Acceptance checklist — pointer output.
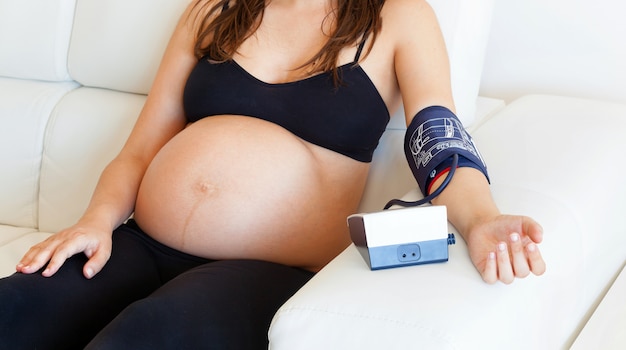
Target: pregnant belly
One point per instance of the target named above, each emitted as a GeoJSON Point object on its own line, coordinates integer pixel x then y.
{"type": "Point", "coordinates": [240, 187]}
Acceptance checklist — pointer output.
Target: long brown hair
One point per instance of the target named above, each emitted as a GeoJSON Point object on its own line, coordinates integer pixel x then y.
{"type": "Point", "coordinates": [230, 22]}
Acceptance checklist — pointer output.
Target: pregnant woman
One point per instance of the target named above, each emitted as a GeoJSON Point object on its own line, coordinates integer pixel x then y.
{"type": "Point", "coordinates": [251, 150]}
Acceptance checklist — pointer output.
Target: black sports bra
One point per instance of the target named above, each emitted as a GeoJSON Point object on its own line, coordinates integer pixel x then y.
{"type": "Point", "coordinates": [349, 118]}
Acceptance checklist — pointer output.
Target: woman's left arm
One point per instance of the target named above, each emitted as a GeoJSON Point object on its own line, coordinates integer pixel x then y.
{"type": "Point", "coordinates": [502, 247]}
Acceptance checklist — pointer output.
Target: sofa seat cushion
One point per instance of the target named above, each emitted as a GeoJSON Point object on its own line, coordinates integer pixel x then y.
{"type": "Point", "coordinates": [544, 163]}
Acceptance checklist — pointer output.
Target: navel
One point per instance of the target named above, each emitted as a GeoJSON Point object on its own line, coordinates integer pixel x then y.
{"type": "Point", "coordinates": [207, 188]}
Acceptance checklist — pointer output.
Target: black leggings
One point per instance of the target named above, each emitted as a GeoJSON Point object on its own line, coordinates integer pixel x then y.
{"type": "Point", "coordinates": [148, 296]}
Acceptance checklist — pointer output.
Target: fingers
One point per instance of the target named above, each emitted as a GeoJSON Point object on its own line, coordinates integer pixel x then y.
{"type": "Point", "coordinates": [521, 267]}
{"type": "Point", "coordinates": [97, 260]}
{"type": "Point", "coordinates": [514, 260]}
{"type": "Point", "coordinates": [505, 269]}
{"type": "Point", "coordinates": [532, 229]}
{"type": "Point", "coordinates": [537, 264]}
{"type": "Point", "coordinates": [58, 248]}
{"type": "Point", "coordinates": [490, 274]}
{"type": "Point", "coordinates": [36, 257]}
{"type": "Point", "coordinates": [52, 251]}
{"type": "Point", "coordinates": [62, 253]}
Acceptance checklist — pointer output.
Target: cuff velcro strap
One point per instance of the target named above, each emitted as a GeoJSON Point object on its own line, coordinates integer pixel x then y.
{"type": "Point", "coordinates": [434, 135]}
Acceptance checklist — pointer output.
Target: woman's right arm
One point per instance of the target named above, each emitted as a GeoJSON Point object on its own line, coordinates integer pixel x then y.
{"type": "Point", "coordinates": [114, 197]}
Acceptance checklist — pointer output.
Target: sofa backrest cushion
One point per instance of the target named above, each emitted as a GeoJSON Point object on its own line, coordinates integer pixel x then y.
{"type": "Point", "coordinates": [34, 38]}
{"type": "Point", "coordinates": [86, 130]}
{"type": "Point", "coordinates": [25, 107]}
{"type": "Point", "coordinates": [465, 26]}
{"type": "Point", "coordinates": [34, 41]}
{"type": "Point", "coordinates": [118, 44]}
{"type": "Point", "coordinates": [557, 47]}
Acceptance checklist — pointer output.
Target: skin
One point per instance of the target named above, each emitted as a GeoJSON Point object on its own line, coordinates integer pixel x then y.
{"type": "Point", "coordinates": [189, 196]}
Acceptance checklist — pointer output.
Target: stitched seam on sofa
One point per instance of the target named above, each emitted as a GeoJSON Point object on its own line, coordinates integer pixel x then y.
{"type": "Point", "coordinates": [405, 324]}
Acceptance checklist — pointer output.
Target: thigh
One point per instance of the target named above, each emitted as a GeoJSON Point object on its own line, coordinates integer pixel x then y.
{"type": "Point", "coordinates": [66, 310]}
{"type": "Point", "coordinates": [220, 305]}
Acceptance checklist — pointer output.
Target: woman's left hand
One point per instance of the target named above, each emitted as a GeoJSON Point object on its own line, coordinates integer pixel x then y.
{"type": "Point", "coordinates": [505, 247]}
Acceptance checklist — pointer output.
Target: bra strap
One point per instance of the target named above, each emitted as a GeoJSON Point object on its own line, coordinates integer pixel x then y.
{"type": "Point", "coordinates": [359, 50]}
{"type": "Point", "coordinates": [361, 44]}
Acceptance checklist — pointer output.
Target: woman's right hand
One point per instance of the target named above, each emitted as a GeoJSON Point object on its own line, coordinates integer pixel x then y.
{"type": "Point", "coordinates": [94, 242]}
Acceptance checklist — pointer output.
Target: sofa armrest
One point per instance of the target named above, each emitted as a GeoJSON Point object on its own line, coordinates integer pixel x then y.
{"type": "Point", "coordinates": [543, 160]}
{"type": "Point", "coordinates": [443, 306]}
{"type": "Point", "coordinates": [605, 329]}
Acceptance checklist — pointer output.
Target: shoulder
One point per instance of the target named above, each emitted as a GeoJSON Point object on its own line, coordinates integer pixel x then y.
{"type": "Point", "coordinates": [197, 11]}
{"type": "Point", "coordinates": [407, 4]}
{"type": "Point", "coordinates": [404, 17]}
{"type": "Point", "coordinates": [411, 24]}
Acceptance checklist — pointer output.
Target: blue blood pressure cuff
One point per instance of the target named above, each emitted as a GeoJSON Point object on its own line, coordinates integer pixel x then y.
{"type": "Point", "coordinates": [432, 138]}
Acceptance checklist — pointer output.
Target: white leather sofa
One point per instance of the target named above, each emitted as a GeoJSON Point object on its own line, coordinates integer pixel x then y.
{"type": "Point", "coordinates": [541, 86]}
